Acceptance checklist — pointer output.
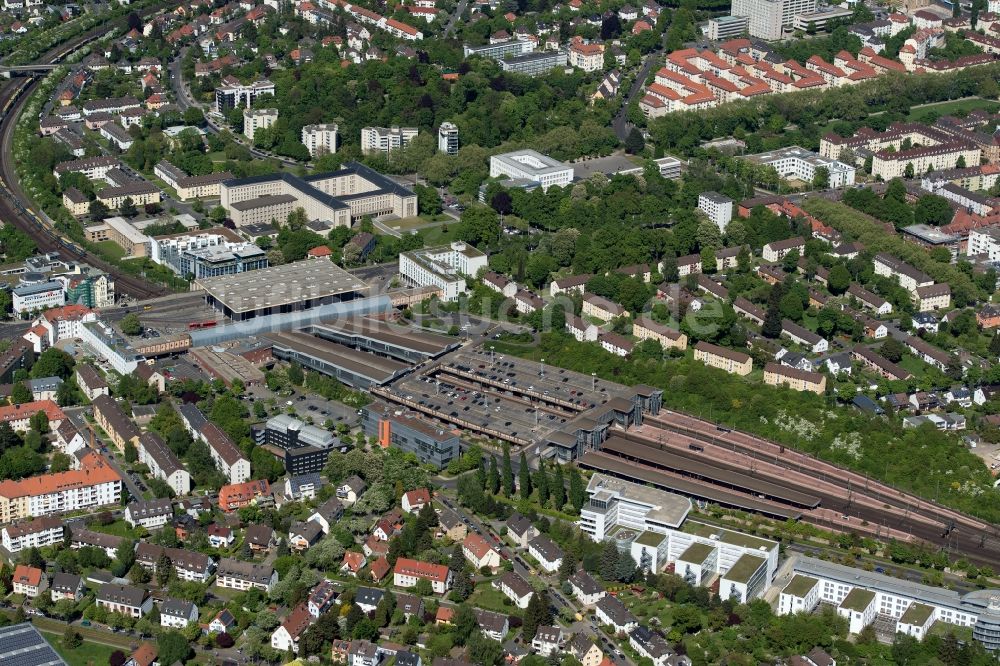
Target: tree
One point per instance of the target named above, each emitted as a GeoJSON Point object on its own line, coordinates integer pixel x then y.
{"type": "Point", "coordinates": [932, 209]}
{"type": "Point", "coordinates": [608, 565]}
{"type": "Point", "coordinates": [892, 349]}
{"type": "Point", "coordinates": [542, 483]}
{"type": "Point", "coordinates": [537, 614]}
{"type": "Point", "coordinates": [20, 394]}
{"type": "Point", "coordinates": [524, 477]}
{"type": "Point", "coordinates": [423, 588]}
{"type": "Point", "coordinates": [558, 488]}
{"type": "Point", "coordinates": [128, 208]}
{"type": "Point", "coordinates": [821, 178]}
{"type": "Point", "coordinates": [173, 647]}
{"type": "Point", "coordinates": [790, 261]}
{"type": "Point", "coordinates": [791, 307]}
{"type": "Point", "coordinates": [839, 280]}
{"type": "Point", "coordinates": [908, 171]}
{"type": "Point", "coordinates": [995, 345]}
{"type": "Point", "coordinates": [577, 490]}
{"type": "Point", "coordinates": [479, 226]}
{"type": "Point", "coordinates": [634, 143]}
{"type": "Point", "coordinates": [295, 374]}
{"type": "Point", "coordinates": [507, 474]}
{"type": "Point", "coordinates": [131, 453]}
{"type": "Point", "coordinates": [493, 477]}
{"type": "Point", "coordinates": [98, 210]}
{"type": "Point", "coordinates": [130, 324]}
{"type": "Point", "coordinates": [71, 637]}
{"type": "Point", "coordinates": [53, 362]}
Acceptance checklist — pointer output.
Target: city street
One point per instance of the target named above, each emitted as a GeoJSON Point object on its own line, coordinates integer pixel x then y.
{"type": "Point", "coordinates": [77, 418]}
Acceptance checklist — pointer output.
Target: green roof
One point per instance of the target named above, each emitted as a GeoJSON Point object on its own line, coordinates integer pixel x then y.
{"type": "Point", "coordinates": [651, 539]}
{"type": "Point", "coordinates": [697, 552]}
{"type": "Point", "coordinates": [727, 536]}
{"type": "Point", "coordinates": [857, 600]}
{"type": "Point", "coordinates": [744, 568]}
{"type": "Point", "coordinates": [800, 585]}
{"type": "Point", "coordinates": [916, 614]}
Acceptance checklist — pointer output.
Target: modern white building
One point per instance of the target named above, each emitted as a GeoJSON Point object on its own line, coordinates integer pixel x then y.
{"type": "Point", "coordinates": [39, 296]}
{"type": "Point", "coordinates": [443, 267]}
{"type": "Point", "coordinates": [717, 207]}
{"type": "Point", "coordinates": [861, 596]}
{"type": "Point", "coordinates": [258, 119]}
{"type": "Point", "coordinates": [448, 138]}
{"type": "Point", "coordinates": [985, 241]}
{"type": "Point", "coordinates": [798, 163]}
{"type": "Point", "coordinates": [532, 166]}
{"type": "Point", "coordinates": [109, 346]}
{"type": "Point", "coordinates": [721, 28]}
{"type": "Point", "coordinates": [386, 139]}
{"type": "Point", "coordinates": [768, 17]}
{"type": "Point", "coordinates": [652, 526]}
{"type": "Point", "coordinates": [320, 139]}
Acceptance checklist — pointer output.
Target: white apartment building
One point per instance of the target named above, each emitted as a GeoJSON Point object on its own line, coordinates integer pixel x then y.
{"type": "Point", "coordinates": [531, 165]}
{"type": "Point", "coordinates": [177, 613]}
{"type": "Point", "coordinates": [37, 533]}
{"type": "Point", "coordinates": [257, 119]}
{"type": "Point", "coordinates": [891, 165]}
{"type": "Point", "coordinates": [719, 208]}
{"type": "Point", "coordinates": [985, 241]}
{"type": "Point", "coordinates": [448, 138]}
{"type": "Point", "coordinates": [163, 463]}
{"type": "Point", "coordinates": [798, 163]}
{"type": "Point", "coordinates": [228, 457]}
{"type": "Point", "coordinates": [386, 139]}
{"type": "Point", "coordinates": [320, 139]}
{"type": "Point", "coordinates": [443, 267]}
{"type": "Point", "coordinates": [861, 595]}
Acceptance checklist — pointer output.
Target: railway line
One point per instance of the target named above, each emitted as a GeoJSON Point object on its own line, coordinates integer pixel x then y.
{"type": "Point", "coordinates": [839, 489]}
{"type": "Point", "coordinates": [15, 205]}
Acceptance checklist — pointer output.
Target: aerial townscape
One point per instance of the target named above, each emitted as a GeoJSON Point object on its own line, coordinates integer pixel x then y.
{"type": "Point", "coordinates": [494, 333]}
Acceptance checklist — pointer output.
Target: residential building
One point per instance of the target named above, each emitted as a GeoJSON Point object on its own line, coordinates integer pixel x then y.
{"type": "Point", "coordinates": [286, 637]}
{"type": "Point", "coordinates": [94, 485]}
{"type": "Point", "coordinates": [90, 381]}
{"type": "Point", "coordinates": [611, 612]}
{"type": "Point", "coordinates": [547, 641]}
{"type": "Point", "coordinates": [717, 207]}
{"type": "Point", "coordinates": [238, 575]}
{"type": "Point", "coordinates": [644, 328]}
{"type": "Point", "coordinates": [66, 586]}
{"type": "Point", "coordinates": [588, 57]}
{"type": "Point", "coordinates": [533, 64]}
{"type": "Point", "coordinates": [238, 495]}
{"type": "Point", "coordinates": [320, 139]}
{"type": "Point", "coordinates": [188, 565]}
{"type": "Point", "coordinates": [777, 250]}
{"type": "Point", "coordinates": [163, 463]}
{"type": "Point", "coordinates": [386, 139]}
{"type": "Point", "coordinates": [37, 533]}
{"type": "Point", "coordinates": [448, 138]}
{"type": "Point", "coordinates": [728, 360]}
{"type": "Point", "coordinates": [258, 119]}
{"type": "Point", "coordinates": [586, 590]}
{"type": "Point", "coordinates": [29, 581]}
{"type": "Point", "coordinates": [126, 600]}
{"type": "Point", "coordinates": [601, 308]}
{"type": "Point", "coordinates": [480, 553]}
{"type": "Point", "coordinates": [795, 163]}
{"type": "Point", "coordinates": [548, 554]}
{"type": "Point", "coordinates": [407, 572]}
{"type": "Point", "coordinates": [177, 613]}
{"type": "Point", "coordinates": [415, 500]}
{"type": "Point", "coordinates": [514, 588]}
{"type": "Point", "coordinates": [149, 514]}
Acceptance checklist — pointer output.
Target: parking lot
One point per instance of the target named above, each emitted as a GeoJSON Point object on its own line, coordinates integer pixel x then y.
{"type": "Point", "coordinates": [307, 405]}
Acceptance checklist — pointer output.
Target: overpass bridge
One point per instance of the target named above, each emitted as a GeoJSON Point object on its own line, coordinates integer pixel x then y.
{"type": "Point", "coordinates": [8, 71]}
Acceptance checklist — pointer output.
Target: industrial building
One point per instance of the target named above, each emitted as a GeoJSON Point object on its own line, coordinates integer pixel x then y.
{"type": "Point", "coordinates": [355, 368]}
{"type": "Point", "coordinates": [339, 197]}
{"type": "Point", "coordinates": [280, 289]}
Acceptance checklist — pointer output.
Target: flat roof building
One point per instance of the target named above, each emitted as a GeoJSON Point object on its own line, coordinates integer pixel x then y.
{"type": "Point", "coordinates": [444, 267]}
{"type": "Point", "coordinates": [798, 163]}
{"type": "Point", "coordinates": [531, 165]}
{"type": "Point", "coordinates": [431, 443]}
{"type": "Point", "coordinates": [280, 289]}
{"type": "Point", "coordinates": [354, 368]}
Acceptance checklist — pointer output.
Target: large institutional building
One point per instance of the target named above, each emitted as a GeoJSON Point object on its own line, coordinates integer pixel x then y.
{"type": "Point", "coordinates": [339, 197]}
{"type": "Point", "coordinates": [532, 166]}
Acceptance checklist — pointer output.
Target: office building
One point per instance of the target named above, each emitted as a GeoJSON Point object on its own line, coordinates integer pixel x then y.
{"type": "Point", "coordinates": [320, 139]}
{"type": "Point", "coordinates": [514, 47]}
{"type": "Point", "coordinates": [443, 267]}
{"type": "Point", "coordinates": [38, 296]}
{"type": "Point", "coordinates": [431, 443]}
{"type": "Point", "coordinates": [257, 119]}
{"type": "Point", "coordinates": [339, 197]}
{"type": "Point", "coordinates": [448, 138]}
{"type": "Point", "coordinates": [207, 253]}
{"type": "Point", "coordinates": [767, 18]}
{"type": "Point", "coordinates": [386, 139]}
{"type": "Point", "coordinates": [722, 28]}
{"type": "Point", "coordinates": [535, 63]}
{"type": "Point", "coordinates": [302, 448]}
{"type": "Point", "coordinates": [532, 166]}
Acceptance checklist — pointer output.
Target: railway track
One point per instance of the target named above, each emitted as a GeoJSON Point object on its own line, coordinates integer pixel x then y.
{"type": "Point", "coordinates": [848, 492]}
{"type": "Point", "coordinates": [17, 208]}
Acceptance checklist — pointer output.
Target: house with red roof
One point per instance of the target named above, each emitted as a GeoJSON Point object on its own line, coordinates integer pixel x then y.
{"type": "Point", "coordinates": [408, 572]}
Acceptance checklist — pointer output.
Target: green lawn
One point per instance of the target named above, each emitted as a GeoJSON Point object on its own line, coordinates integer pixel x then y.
{"type": "Point", "coordinates": [117, 528]}
{"type": "Point", "coordinates": [488, 597]}
{"type": "Point", "coordinates": [110, 249]}
{"type": "Point", "coordinates": [957, 106]}
{"type": "Point", "coordinates": [440, 235]}
{"type": "Point", "coordinates": [88, 654]}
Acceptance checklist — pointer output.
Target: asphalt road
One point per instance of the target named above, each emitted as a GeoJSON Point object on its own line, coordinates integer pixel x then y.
{"type": "Point", "coordinates": [76, 416]}
{"type": "Point", "coordinates": [620, 124]}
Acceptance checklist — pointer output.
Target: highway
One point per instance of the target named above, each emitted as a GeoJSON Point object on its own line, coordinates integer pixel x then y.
{"type": "Point", "coordinates": [18, 209]}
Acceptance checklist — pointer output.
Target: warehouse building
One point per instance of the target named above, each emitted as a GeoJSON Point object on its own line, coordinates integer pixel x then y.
{"type": "Point", "coordinates": [280, 289]}
{"type": "Point", "coordinates": [354, 368]}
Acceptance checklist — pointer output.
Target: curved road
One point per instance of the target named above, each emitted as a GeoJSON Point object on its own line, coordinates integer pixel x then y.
{"type": "Point", "coordinates": [46, 238]}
